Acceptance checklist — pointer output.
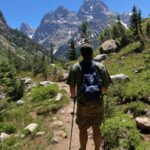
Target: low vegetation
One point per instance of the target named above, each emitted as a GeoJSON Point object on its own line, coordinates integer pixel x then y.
{"type": "Point", "coordinates": [120, 132]}
{"type": "Point", "coordinates": [125, 100]}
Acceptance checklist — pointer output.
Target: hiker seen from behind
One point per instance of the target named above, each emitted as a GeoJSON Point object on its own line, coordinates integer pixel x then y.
{"type": "Point", "coordinates": [88, 81]}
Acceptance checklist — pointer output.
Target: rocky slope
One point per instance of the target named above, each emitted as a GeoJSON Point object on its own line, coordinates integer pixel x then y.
{"type": "Point", "coordinates": [2, 20]}
{"type": "Point", "coordinates": [59, 26]}
{"type": "Point", "coordinates": [97, 14]}
{"type": "Point", "coordinates": [16, 46]}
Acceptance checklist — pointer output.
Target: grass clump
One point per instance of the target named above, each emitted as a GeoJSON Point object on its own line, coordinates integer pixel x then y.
{"type": "Point", "coordinates": [120, 131]}
{"type": "Point", "coordinates": [143, 146]}
{"type": "Point", "coordinates": [7, 128]}
{"type": "Point", "coordinates": [131, 48]}
{"type": "Point", "coordinates": [10, 144]}
{"type": "Point", "coordinates": [136, 108]}
{"type": "Point", "coordinates": [43, 99]}
{"type": "Point", "coordinates": [44, 93]}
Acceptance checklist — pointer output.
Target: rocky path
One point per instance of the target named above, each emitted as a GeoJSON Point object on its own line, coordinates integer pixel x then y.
{"type": "Point", "coordinates": [65, 116]}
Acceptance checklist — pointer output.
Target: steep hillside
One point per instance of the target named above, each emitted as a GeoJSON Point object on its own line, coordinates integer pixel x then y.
{"type": "Point", "coordinates": [17, 47]}
{"type": "Point", "coordinates": [127, 102]}
{"type": "Point", "coordinates": [2, 20]}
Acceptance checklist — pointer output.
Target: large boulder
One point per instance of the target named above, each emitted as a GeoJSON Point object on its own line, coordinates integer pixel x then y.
{"type": "Point", "coordinates": [109, 46]}
{"type": "Point", "coordinates": [100, 58]}
{"type": "Point", "coordinates": [31, 127]}
{"type": "Point", "coordinates": [41, 133]}
{"type": "Point", "coordinates": [148, 113]}
{"type": "Point", "coordinates": [45, 83]}
{"type": "Point", "coordinates": [27, 80]}
{"type": "Point", "coordinates": [120, 77]}
{"type": "Point", "coordinates": [30, 86]}
{"type": "Point", "coordinates": [61, 134]}
{"type": "Point", "coordinates": [143, 122]}
{"type": "Point", "coordinates": [64, 77]}
{"type": "Point", "coordinates": [4, 136]}
{"type": "Point", "coordinates": [55, 140]}
{"type": "Point", "coordinates": [56, 124]}
{"type": "Point", "coordinates": [20, 102]}
{"type": "Point", "coordinates": [2, 96]}
{"type": "Point", "coordinates": [58, 97]}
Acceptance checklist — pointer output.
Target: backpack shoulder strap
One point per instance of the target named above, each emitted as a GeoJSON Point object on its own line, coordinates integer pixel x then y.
{"type": "Point", "coordinates": [95, 68]}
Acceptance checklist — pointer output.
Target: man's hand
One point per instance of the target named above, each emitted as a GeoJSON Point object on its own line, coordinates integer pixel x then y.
{"type": "Point", "coordinates": [73, 98]}
{"type": "Point", "coordinates": [104, 90]}
{"type": "Point", "coordinates": [73, 92]}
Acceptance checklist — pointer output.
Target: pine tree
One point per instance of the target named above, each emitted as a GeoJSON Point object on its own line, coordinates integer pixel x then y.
{"type": "Point", "coordinates": [72, 51]}
{"type": "Point", "coordinates": [148, 29]}
{"type": "Point", "coordinates": [105, 34]}
{"type": "Point", "coordinates": [140, 22]}
{"type": "Point", "coordinates": [16, 89]}
{"type": "Point", "coordinates": [114, 32]}
{"type": "Point", "coordinates": [118, 18]}
{"type": "Point", "coordinates": [121, 28]}
{"type": "Point", "coordinates": [44, 66]}
{"type": "Point", "coordinates": [51, 53]}
{"type": "Point", "coordinates": [134, 21]}
{"type": "Point", "coordinates": [36, 65]}
{"type": "Point", "coordinates": [85, 32]}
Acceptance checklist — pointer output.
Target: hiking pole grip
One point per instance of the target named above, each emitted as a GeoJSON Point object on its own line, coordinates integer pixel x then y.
{"type": "Point", "coordinates": [74, 102]}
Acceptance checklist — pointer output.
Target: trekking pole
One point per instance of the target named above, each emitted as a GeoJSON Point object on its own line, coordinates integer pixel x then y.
{"type": "Point", "coordinates": [72, 123]}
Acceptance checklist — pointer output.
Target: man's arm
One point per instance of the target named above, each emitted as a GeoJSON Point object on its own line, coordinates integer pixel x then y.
{"type": "Point", "coordinates": [73, 91]}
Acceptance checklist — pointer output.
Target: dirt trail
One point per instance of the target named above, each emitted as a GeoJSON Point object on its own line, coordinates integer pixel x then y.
{"type": "Point", "coordinates": [65, 116]}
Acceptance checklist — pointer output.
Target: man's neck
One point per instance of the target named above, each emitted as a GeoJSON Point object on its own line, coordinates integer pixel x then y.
{"type": "Point", "coordinates": [87, 59]}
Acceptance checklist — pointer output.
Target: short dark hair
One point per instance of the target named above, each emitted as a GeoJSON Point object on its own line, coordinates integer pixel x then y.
{"type": "Point", "coordinates": [86, 51]}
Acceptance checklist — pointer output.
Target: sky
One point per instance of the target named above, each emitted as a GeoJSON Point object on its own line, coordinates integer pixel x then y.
{"type": "Point", "coordinates": [32, 11]}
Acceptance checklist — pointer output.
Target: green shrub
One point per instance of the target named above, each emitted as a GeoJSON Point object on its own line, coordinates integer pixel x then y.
{"type": "Point", "coordinates": [121, 131]}
{"type": "Point", "coordinates": [137, 108]}
{"type": "Point", "coordinates": [19, 116]}
{"type": "Point", "coordinates": [118, 89]}
{"type": "Point", "coordinates": [44, 93]}
{"type": "Point", "coordinates": [131, 48]}
{"type": "Point", "coordinates": [16, 89]}
{"type": "Point", "coordinates": [143, 146]}
{"type": "Point", "coordinates": [7, 128]}
{"type": "Point", "coordinates": [10, 144]}
{"type": "Point", "coordinates": [51, 107]}
{"type": "Point", "coordinates": [136, 90]}
{"type": "Point", "coordinates": [110, 108]}
{"type": "Point", "coordinates": [7, 72]}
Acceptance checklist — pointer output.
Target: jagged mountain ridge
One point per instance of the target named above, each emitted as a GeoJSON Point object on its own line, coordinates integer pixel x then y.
{"type": "Point", "coordinates": [27, 30]}
{"type": "Point", "coordinates": [97, 14]}
{"type": "Point", "coordinates": [59, 26]}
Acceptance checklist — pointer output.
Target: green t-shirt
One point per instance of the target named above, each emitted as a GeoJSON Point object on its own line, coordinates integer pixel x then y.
{"type": "Point", "coordinates": [75, 78]}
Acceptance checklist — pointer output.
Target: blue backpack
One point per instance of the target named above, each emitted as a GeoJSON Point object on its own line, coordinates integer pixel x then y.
{"type": "Point", "coordinates": [91, 84]}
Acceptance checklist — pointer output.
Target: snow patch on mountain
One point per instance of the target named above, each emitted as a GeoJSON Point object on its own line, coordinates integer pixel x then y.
{"type": "Point", "coordinates": [124, 24]}
{"type": "Point", "coordinates": [59, 26]}
{"type": "Point", "coordinates": [27, 30]}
